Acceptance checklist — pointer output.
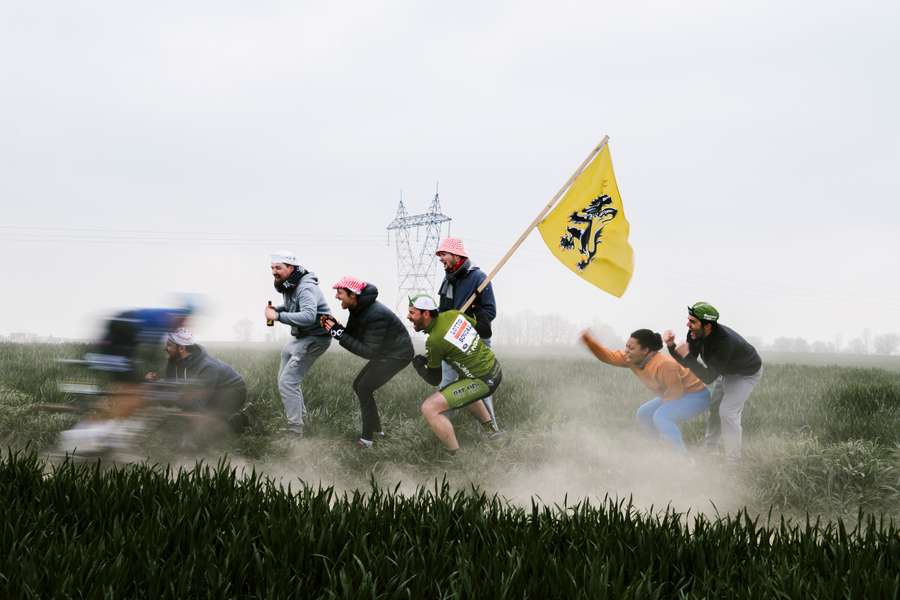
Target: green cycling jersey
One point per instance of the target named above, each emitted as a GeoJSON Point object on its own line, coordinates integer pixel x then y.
{"type": "Point", "coordinates": [452, 338]}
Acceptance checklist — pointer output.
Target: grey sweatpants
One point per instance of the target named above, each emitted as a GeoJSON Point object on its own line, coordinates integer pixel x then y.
{"type": "Point", "coordinates": [297, 357]}
{"type": "Point", "coordinates": [449, 375]}
{"type": "Point", "coordinates": [729, 393]}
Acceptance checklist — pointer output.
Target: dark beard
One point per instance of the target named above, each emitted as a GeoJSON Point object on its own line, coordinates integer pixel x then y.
{"type": "Point", "coordinates": [446, 290]}
{"type": "Point", "coordinates": [292, 281]}
{"type": "Point", "coordinates": [463, 268]}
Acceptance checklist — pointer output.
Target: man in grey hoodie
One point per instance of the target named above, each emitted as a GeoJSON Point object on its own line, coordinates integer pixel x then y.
{"type": "Point", "coordinates": [303, 304]}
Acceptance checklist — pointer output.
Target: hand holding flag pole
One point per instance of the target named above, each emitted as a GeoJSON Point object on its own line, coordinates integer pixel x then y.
{"type": "Point", "coordinates": [596, 186]}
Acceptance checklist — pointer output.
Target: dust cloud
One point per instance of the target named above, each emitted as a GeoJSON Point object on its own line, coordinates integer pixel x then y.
{"type": "Point", "coordinates": [571, 457]}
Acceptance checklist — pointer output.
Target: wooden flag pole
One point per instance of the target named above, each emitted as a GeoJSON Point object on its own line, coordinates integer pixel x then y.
{"type": "Point", "coordinates": [536, 222]}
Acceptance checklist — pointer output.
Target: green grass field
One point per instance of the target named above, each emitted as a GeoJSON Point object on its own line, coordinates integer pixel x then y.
{"type": "Point", "coordinates": [822, 442]}
{"type": "Point", "coordinates": [151, 533]}
{"type": "Point", "coordinates": [819, 439]}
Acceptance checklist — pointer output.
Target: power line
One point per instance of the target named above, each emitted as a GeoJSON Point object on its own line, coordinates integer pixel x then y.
{"type": "Point", "coordinates": [112, 231]}
{"type": "Point", "coordinates": [93, 235]}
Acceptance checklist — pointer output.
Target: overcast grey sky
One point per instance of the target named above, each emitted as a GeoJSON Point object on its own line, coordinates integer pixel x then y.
{"type": "Point", "coordinates": [756, 147]}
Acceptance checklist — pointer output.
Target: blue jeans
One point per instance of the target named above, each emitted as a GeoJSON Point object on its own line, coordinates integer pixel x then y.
{"type": "Point", "coordinates": [663, 417]}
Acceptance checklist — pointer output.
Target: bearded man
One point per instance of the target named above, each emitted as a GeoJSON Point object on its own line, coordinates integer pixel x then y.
{"type": "Point", "coordinates": [303, 304]}
{"type": "Point", "coordinates": [461, 280]}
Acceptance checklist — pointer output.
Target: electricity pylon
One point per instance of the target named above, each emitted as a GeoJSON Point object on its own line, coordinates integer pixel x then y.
{"type": "Point", "coordinates": [416, 238]}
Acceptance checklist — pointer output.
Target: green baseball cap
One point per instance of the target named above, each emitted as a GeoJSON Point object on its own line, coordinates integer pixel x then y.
{"type": "Point", "coordinates": [704, 311]}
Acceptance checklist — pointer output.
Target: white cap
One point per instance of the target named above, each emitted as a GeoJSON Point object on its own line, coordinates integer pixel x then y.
{"type": "Point", "coordinates": [181, 337]}
{"type": "Point", "coordinates": [285, 256]}
{"type": "Point", "coordinates": [423, 302]}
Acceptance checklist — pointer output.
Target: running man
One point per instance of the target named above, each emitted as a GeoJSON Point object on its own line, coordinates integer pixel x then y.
{"type": "Point", "coordinates": [452, 338]}
{"type": "Point", "coordinates": [730, 364]}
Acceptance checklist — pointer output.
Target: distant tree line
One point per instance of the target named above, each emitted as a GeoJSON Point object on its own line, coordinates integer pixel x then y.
{"type": "Point", "coordinates": [530, 329]}
{"type": "Point", "coordinates": [534, 329]}
{"type": "Point", "coordinates": [883, 344]}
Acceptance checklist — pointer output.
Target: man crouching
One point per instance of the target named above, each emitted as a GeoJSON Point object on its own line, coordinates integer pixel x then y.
{"type": "Point", "coordinates": [452, 338]}
{"type": "Point", "coordinates": [375, 333]}
{"type": "Point", "coordinates": [212, 389]}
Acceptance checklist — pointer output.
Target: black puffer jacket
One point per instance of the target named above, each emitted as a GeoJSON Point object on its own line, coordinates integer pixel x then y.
{"type": "Point", "coordinates": [374, 331]}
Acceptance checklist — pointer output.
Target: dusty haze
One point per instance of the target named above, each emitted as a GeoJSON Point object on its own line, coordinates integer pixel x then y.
{"type": "Point", "coordinates": [570, 457]}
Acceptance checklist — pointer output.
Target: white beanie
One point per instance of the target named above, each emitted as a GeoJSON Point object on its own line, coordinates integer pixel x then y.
{"type": "Point", "coordinates": [285, 256]}
{"type": "Point", "coordinates": [423, 302]}
{"type": "Point", "coordinates": [181, 337]}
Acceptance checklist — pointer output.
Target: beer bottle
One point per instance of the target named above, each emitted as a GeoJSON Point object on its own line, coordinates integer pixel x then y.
{"type": "Point", "coordinates": [270, 322]}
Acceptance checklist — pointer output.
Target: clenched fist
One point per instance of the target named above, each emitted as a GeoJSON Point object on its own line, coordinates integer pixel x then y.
{"type": "Point", "coordinates": [332, 326]}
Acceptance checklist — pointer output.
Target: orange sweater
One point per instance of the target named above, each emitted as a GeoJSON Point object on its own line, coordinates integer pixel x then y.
{"type": "Point", "coordinates": [661, 373]}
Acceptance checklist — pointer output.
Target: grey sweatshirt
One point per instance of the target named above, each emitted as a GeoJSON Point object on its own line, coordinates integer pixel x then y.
{"type": "Point", "coordinates": [302, 307]}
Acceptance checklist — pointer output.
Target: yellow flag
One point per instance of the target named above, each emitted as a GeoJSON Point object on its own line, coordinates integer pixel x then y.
{"type": "Point", "coordinates": [588, 232]}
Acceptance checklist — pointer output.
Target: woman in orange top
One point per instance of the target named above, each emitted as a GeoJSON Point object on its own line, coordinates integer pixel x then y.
{"type": "Point", "coordinates": [680, 395]}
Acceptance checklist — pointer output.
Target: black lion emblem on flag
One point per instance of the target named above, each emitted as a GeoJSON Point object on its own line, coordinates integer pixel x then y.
{"type": "Point", "coordinates": [586, 228]}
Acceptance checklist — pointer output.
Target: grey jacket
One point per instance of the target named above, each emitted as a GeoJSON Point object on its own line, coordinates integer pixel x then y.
{"type": "Point", "coordinates": [200, 366]}
{"type": "Point", "coordinates": [302, 307]}
{"type": "Point", "coordinates": [212, 376]}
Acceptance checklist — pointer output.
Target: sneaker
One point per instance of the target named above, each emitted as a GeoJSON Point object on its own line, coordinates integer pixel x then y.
{"type": "Point", "coordinates": [490, 431]}
{"type": "Point", "coordinates": [446, 456]}
{"type": "Point", "coordinates": [293, 430]}
{"type": "Point", "coordinates": [493, 436]}
{"type": "Point", "coordinates": [363, 443]}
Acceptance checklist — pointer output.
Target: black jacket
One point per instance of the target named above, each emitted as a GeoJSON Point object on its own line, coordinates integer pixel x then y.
{"type": "Point", "coordinates": [456, 289]}
{"type": "Point", "coordinates": [724, 351]}
{"type": "Point", "coordinates": [374, 331]}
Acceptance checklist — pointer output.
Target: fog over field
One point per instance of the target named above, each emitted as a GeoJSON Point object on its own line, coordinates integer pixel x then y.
{"type": "Point", "coordinates": [154, 149]}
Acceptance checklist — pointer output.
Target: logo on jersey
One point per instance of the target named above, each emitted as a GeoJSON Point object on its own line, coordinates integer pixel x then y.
{"type": "Point", "coordinates": [462, 334]}
{"type": "Point", "coordinates": [470, 388]}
